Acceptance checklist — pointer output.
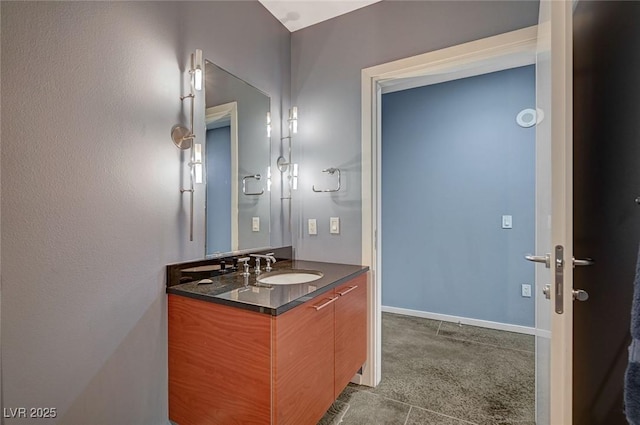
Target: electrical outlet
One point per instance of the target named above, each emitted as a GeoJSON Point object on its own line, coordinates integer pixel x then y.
{"type": "Point", "coordinates": [255, 224]}
{"type": "Point", "coordinates": [526, 290]}
{"type": "Point", "coordinates": [313, 228]}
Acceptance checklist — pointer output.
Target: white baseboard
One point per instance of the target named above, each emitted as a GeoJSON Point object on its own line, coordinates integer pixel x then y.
{"type": "Point", "coordinates": [463, 320]}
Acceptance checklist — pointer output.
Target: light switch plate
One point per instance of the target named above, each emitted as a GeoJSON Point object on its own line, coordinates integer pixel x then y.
{"type": "Point", "coordinates": [313, 228]}
{"type": "Point", "coordinates": [507, 222]}
{"type": "Point", "coordinates": [526, 290]}
{"type": "Point", "coordinates": [334, 225]}
{"type": "Point", "coordinates": [255, 224]}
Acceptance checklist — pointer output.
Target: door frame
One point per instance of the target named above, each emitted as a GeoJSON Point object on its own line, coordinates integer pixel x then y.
{"type": "Point", "coordinates": [504, 51]}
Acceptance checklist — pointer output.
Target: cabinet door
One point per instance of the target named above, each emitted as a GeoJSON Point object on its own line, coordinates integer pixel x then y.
{"type": "Point", "coordinates": [303, 362]}
{"type": "Point", "coordinates": [351, 330]}
{"type": "Point", "coordinates": [219, 364]}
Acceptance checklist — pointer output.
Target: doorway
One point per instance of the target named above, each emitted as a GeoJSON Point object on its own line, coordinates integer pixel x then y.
{"type": "Point", "coordinates": [514, 49]}
{"type": "Point", "coordinates": [457, 219]}
{"type": "Point", "coordinates": [505, 51]}
{"type": "Point", "coordinates": [550, 44]}
{"type": "Point", "coordinates": [458, 200]}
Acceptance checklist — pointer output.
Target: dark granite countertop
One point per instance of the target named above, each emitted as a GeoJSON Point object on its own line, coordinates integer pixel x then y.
{"type": "Point", "coordinates": [235, 290]}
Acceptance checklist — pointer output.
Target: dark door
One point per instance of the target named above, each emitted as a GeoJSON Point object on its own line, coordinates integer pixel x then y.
{"type": "Point", "coordinates": [606, 217]}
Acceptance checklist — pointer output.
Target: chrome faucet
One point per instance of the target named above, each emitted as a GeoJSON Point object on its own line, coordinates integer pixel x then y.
{"type": "Point", "coordinates": [270, 260]}
{"type": "Point", "coordinates": [245, 263]}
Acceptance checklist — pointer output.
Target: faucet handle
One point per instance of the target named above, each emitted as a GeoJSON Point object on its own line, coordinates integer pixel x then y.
{"type": "Point", "coordinates": [245, 263]}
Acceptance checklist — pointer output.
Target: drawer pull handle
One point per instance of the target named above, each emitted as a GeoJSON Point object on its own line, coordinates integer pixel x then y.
{"type": "Point", "coordinates": [321, 306]}
{"type": "Point", "coordinates": [351, 288]}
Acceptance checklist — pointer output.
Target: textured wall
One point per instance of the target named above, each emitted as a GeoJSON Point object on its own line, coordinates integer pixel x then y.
{"type": "Point", "coordinates": [454, 160]}
{"type": "Point", "coordinates": [327, 59]}
{"type": "Point", "coordinates": [90, 201]}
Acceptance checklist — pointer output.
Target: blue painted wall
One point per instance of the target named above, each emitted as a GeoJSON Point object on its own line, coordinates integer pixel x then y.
{"type": "Point", "coordinates": [453, 162]}
{"type": "Point", "coordinates": [218, 160]}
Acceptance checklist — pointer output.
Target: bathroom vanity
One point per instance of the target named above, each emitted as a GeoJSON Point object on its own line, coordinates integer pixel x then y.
{"type": "Point", "coordinates": [242, 352]}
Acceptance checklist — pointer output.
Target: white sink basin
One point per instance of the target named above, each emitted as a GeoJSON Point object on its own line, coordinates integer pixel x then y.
{"type": "Point", "coordinates": [289, 277]}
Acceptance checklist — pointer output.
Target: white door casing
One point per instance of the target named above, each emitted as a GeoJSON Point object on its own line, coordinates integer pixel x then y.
{"type": "Point", "coordinates": [554, 93]}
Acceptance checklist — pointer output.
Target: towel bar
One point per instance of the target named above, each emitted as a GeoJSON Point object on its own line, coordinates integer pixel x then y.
{"type": "Point", "coordinates": [244, 185]}
{"type": "Point", "coordinates": [330, 171]}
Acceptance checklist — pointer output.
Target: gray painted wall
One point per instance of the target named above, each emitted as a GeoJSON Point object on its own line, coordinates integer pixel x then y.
{"type": "Point", "coordinates": [326, 61]}
{"type": "Point", "coordinates": [454, 161]}
{"type": "Point", "coordinates": [91, 205]}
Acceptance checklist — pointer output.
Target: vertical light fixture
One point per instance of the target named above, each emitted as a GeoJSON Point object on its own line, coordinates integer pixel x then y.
{"type": "Point", "coordinates": [269, 125]}
{"type": "Point", "coordinates": [294, 177]}
{"type": "Point", "coordinates": [184, 137]}
{"type": "Point", "coordinates": [197, 77]}
{"type": "Point", "coordinates": [197, 162]}
{"type": "Point", "coordinates": [285, 165]}
{"type": "Point", "coordinates": [197, 71]}
{"type": "Point", "coordinates": [293, 120]}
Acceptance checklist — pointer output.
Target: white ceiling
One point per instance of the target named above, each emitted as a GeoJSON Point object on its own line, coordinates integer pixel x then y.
{"type": "Point", "coordinates": [297, 14]}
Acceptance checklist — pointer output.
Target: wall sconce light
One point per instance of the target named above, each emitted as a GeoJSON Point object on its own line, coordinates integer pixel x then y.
{"type": "Point", "coordinates": [196, 165]}
{"type": "Point", "coordinates": [294, 177]}
{"type": "Point", "coordinates": [197, 70]}
{"type": "Point", "coordinates": [293, 120]}
{"type": "Point", "coordinates": [269, 125]}
{"type": "Point", "coordinates": [285, 164]}
{"type": "Point", "coordinates": [269, 178]}
{"type": "Point", "coordinates": [183, 137]}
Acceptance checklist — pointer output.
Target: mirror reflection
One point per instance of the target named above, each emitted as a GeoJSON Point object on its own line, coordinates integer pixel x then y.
{"type": "Point", "coordinates": [237, 163]}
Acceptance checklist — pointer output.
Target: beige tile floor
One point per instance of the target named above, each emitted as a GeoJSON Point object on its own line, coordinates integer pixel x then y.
{"type": "Point", "coordinates": [440, 373]}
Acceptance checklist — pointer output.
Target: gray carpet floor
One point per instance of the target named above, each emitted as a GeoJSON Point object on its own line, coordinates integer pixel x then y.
{"type": "Point", "coordinates": [441, 373]}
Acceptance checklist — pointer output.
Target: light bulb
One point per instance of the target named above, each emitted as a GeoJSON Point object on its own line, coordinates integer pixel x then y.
{"type": "Point", "coordinates": [197, 70]}
{"type": "Point", "coordinates": [197, 79]}
{"type": "Point", "coordinates": [295, 177]}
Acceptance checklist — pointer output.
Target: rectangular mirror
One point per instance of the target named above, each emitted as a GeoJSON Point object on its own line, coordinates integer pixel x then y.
{"type": "Point", "coordinates": [237, 152]}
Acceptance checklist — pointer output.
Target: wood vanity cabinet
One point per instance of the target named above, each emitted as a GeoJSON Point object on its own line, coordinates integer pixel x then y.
{"type": "Point", "coordinates": [232, 366]}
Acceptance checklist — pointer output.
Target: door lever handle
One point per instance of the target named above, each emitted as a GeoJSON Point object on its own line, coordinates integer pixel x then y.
{"type": "Point", "coordinates": [545, 259]}
{"type": "Point", "coordinates": [583, 262]}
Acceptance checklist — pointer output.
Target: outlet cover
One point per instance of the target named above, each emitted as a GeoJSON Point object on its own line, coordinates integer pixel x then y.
{"type": "Point", "coordinates": [334, 225]}
{"type": "Point", "coordinates": [313, 226]}
{"type": "Point", "coordinates": [526, 290]}
{"type": "Point", "coordinates": [255, 224]}
{"type": "Point", "coordinates": [507, 222]}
